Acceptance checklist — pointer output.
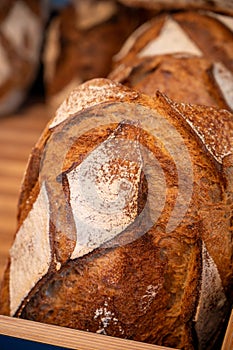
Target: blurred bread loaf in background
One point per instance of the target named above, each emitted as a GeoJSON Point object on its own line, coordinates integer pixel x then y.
{"type": "Point", "coordinates": [22, 25]}
{"type": "Point", "coordinates": [81, 41]}
{"type": "Point", "coordinates": [187, 55]}
{"type": "Point", "coordinates": [65, 43]}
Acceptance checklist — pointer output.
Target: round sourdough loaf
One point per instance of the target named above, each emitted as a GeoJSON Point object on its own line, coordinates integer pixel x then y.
{"type": "Point", "coordinates": [223, 6]}
{"type": "Point", "coordinates": [21, 36]}
{"type": "Point", "coordinates": [125, 220]}
{"type": "Point", "coordinates": [81, 41]}
{"type": "Point", "coordinates": [186, 55]}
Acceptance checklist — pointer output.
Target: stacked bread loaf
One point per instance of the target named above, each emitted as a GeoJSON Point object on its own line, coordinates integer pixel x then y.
{"type": "Point", "coordinates": [81, 41]}
{"type": "Point", "coordinates": [125, 212]}
{"type": "Point", "coordinates": [187, 55]}
{"type": "Point", "coordinates": [21, 36]}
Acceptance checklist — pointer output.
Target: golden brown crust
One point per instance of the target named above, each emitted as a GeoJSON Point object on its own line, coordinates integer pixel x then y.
{"type": "Point", "coordinates": [183, 78]}
{"type": "Point", "coordinates": [4, 293]}
{"type": "Point", "coordinates": [213, 126]}
{"type": "Point", "coordinates": [105, 312]}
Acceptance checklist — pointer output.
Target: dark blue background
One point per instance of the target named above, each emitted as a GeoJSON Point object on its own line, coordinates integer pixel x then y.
{"type": "Point", "coordinates": [10, 343]}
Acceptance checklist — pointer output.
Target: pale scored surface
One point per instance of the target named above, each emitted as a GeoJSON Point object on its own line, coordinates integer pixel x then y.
{"type": "Point", "coordinates": [30, 254]}
{"type": "Point", "coordinates": [224, 79]}
{"type": "Point", "coordinates": [226, 20]}
{"type": "Point", "coordinates": [172, 39]}
{"type": "Point", "coordinates": [104, 193]}
{"type": "Point", "coordinates": [24, 22]}
{"type": "Point", "coordinates": [212, 300]}
{"type": "Point", "coordinates": [90, 94]}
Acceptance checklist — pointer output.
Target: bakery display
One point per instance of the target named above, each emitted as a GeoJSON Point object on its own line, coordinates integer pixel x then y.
{"type": "Point", "coordinates": [80, 42]}
{"type": "Point", "coordinates": [21, 35]}
{"type": "Point", "coordinates": [124, 224]}
{"type": "Point", "coordinates": [124, 221]}
{"type": "Point", "coordinates": [186, 55]}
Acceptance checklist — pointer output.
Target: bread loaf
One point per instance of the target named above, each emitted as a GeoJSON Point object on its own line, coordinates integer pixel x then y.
{"type": "Point", "coordinates": [184, 78]}
{"type": "Point", "coordinates": [21, 36]}
{"type": "Point", "coordinates": [186, 55]}
{"type": "Point", "coordinates": [189, 32]}
{"type": "Point", "coordinates": [124, 221]}
{"type": "Point", "coordinates": [222, 6]}
{"type": "Point", "coordinates": [81, 41]}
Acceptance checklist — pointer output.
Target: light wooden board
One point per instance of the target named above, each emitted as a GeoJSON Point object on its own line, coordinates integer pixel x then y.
{"type": "Point", "coordinates": [18, 134]}
{"type": "Point", "coordinates": [80, 340]}
{"type": "Point", "coordinates": [67, 337]}
{"type": "Point", "coordinates": [228, 340]}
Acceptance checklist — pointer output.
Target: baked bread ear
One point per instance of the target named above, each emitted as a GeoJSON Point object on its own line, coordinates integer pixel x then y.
{"type": "Point", "coordinates": [176, 54]}
{"type": "Point", "coordinates": [21, 34]}
{"type": "Point", "coordinates": [222, 6]}
{"type": "Point", "coordinates": [124, 223]}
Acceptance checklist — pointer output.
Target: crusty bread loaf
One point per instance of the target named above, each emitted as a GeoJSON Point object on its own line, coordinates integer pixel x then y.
{"type": "Point", "coordinates": [192, 32]}
{"type": "Point", "coordinates": [124, 222]}
{"type": "Point", "coordinates": [81, 41]}
{"type": "Point", "coordinates": [21, 36]}
{"type": "Point", "coordinates": [222, 6]}
{"type": "Point", "coordinates": [184, 78]}
{"type": "Point", "coordinates": [186, 55]}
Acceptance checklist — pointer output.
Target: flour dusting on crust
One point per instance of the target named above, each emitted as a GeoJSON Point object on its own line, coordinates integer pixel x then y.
{"type": "Point", "coordinates": [106, 317]}
{"type": "Point", "coordinates": [212, 300]}
{"type": "Point", "coordinates": [104, 193]}
{"type": "Point", "coordinates": [149, 296]}
{"type": "Point", "coordinates": [172, 39]}
{"type": "Point", "coordinates": [90, 94]}
{"type": "Point", "coordinates": [224, 78]}
{"type": "Point", "coordinates": [30, 254]}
